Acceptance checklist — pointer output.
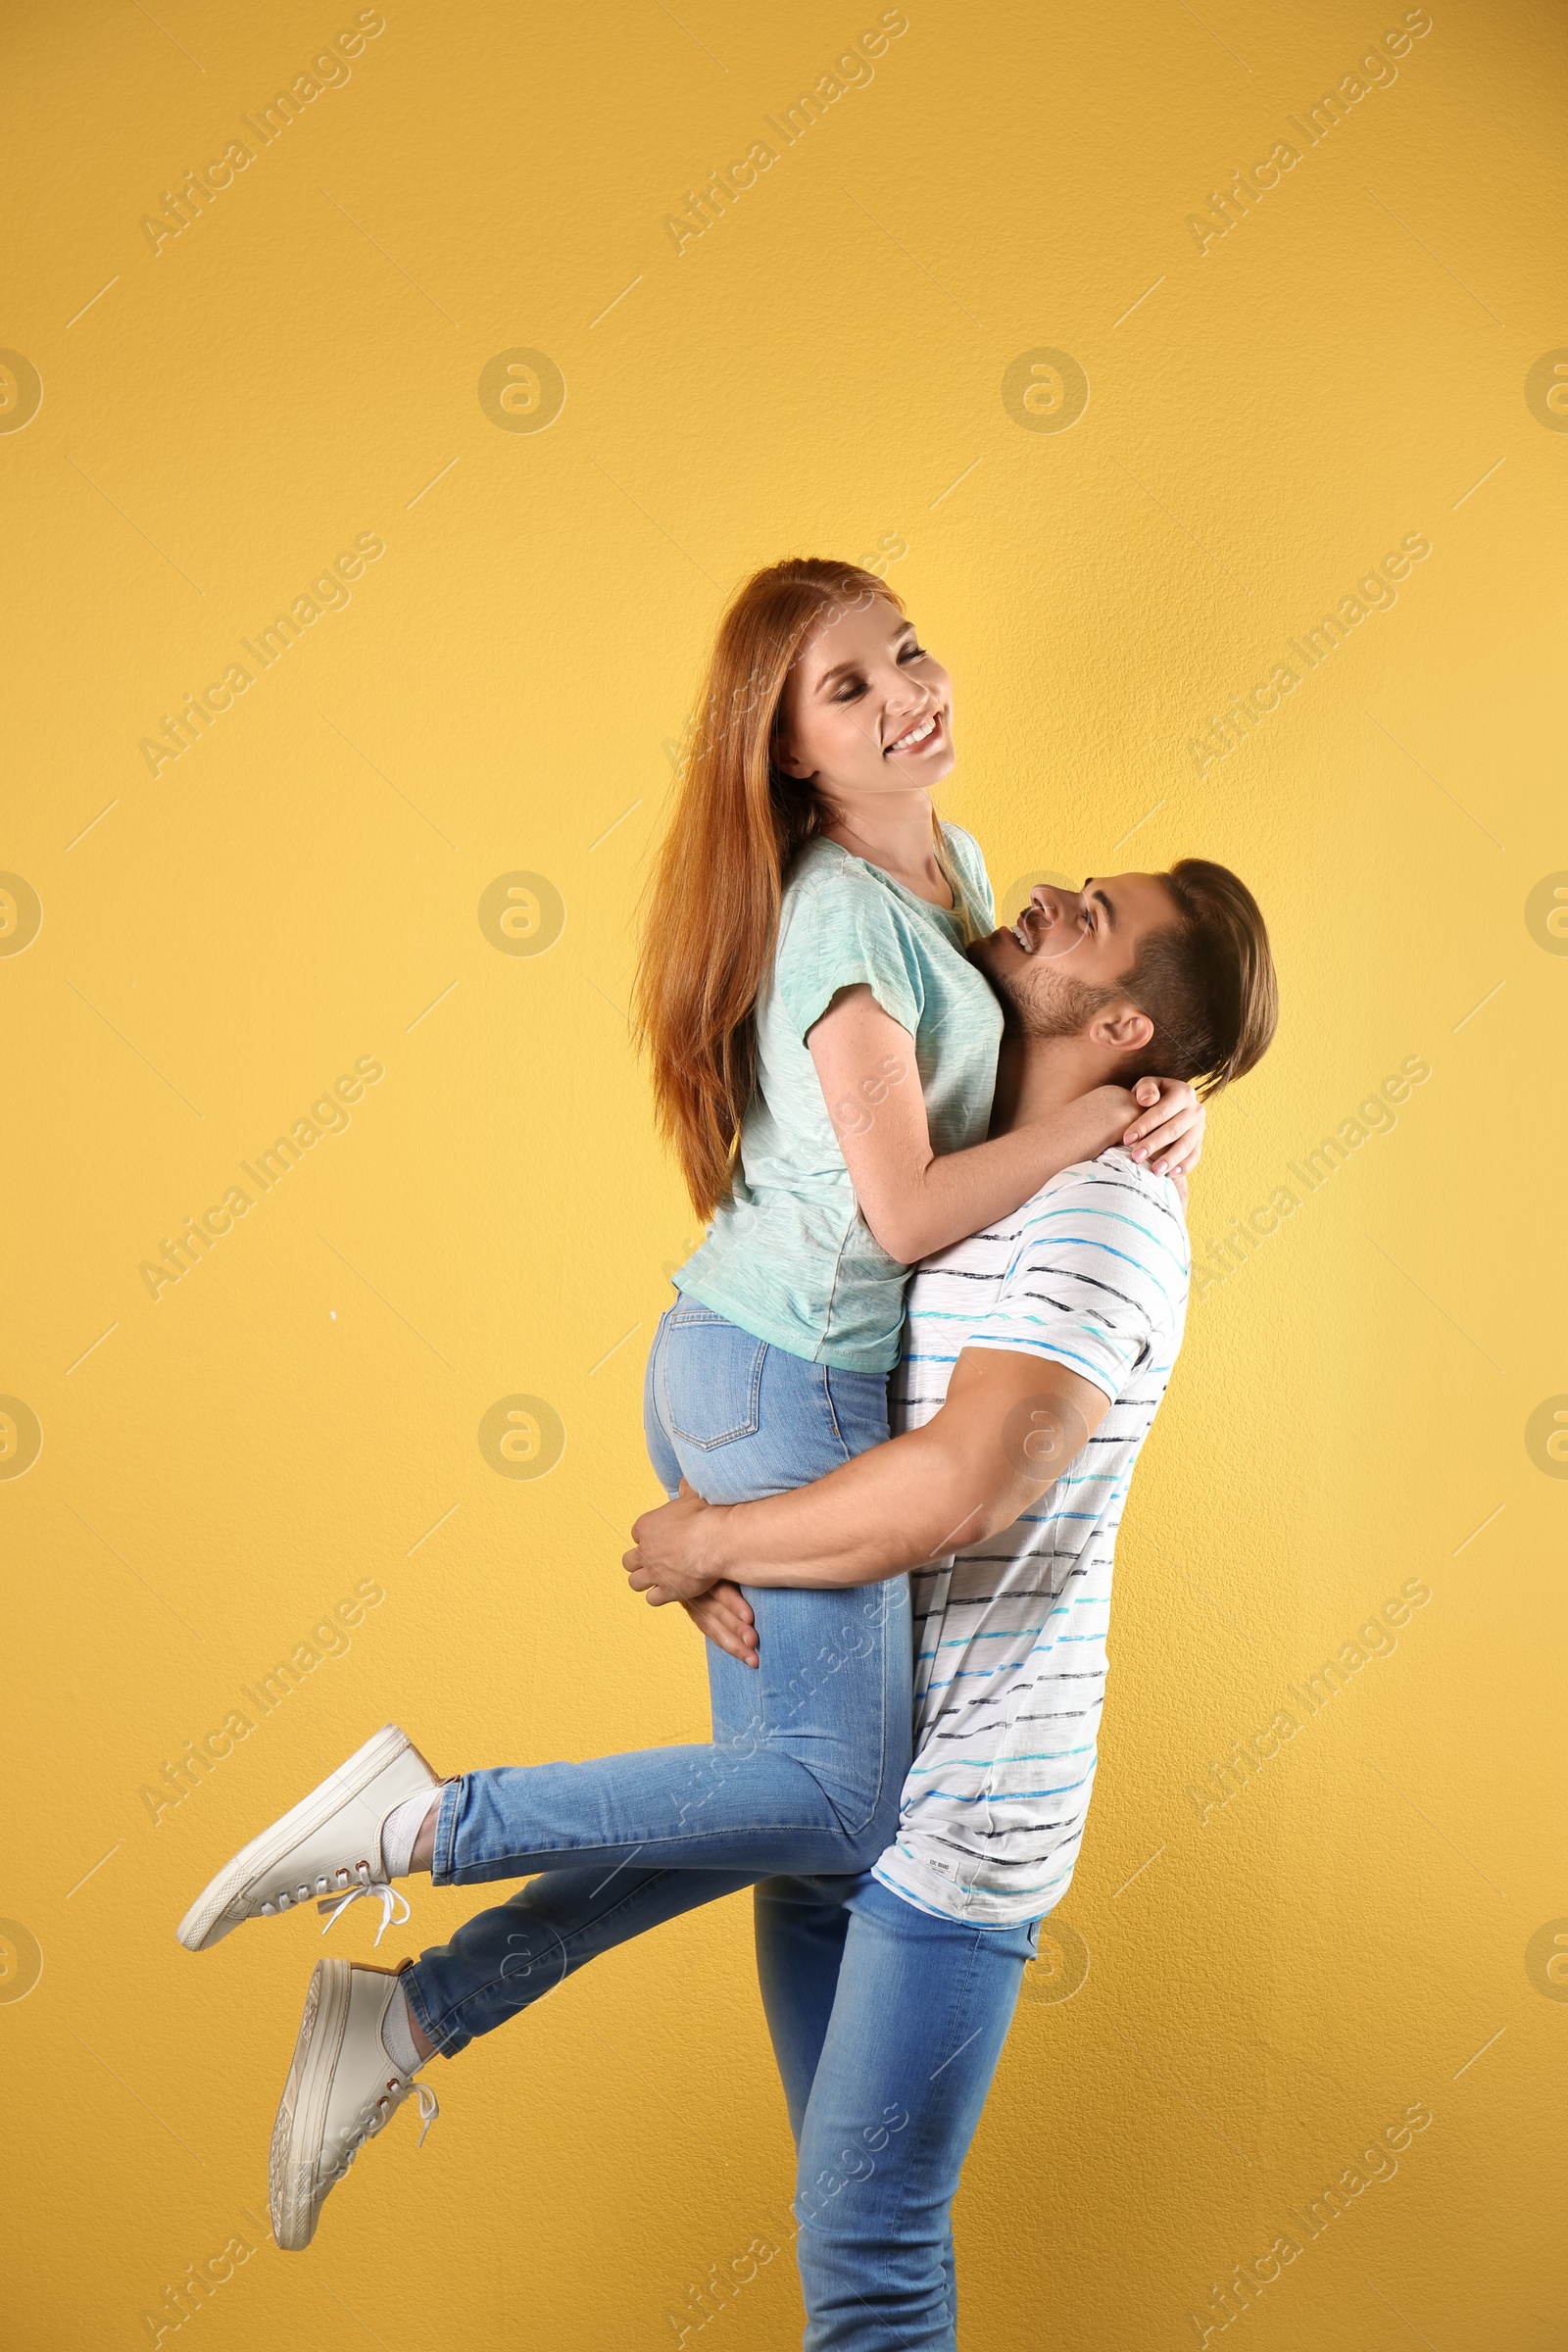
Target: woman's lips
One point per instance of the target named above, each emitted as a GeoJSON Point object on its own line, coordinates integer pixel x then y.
{"type": "Point", "coordinates": [907, 749]}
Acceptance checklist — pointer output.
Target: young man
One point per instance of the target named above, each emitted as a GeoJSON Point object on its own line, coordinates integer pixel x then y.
{"type": "Point", "coordinates": [1063, 1323]}
{"type": "Point", "coordinates": [1035, 1356]}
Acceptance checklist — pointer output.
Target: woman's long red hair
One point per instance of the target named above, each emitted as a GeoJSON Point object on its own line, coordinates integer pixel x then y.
{"type": "Point", "coordinates": [712, 908]}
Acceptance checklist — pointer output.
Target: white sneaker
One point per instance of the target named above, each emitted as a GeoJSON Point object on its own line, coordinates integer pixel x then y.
{"type": "Point", "coordinates": [330, 1845]}
{"type": "Point", "coordinates": [342, 2089]}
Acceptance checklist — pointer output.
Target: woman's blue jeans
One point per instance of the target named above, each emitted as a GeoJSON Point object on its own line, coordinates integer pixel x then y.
{"type": "Point", "coordinates": [809, 1753]}
{"type": "Point", "coordinates": [887, 2023]}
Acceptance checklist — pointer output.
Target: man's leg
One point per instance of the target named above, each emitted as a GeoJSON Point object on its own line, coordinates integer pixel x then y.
{"type": "Point", "coordinates": [923, 2010]}
{"type": "Point", "coordinates": [800, 1929]}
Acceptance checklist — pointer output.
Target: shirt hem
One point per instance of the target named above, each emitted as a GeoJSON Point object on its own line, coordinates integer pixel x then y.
{"type": "Point", "coordinates": [974, 1907]}
{"type": "Point", "coordinates": [878, 1363]}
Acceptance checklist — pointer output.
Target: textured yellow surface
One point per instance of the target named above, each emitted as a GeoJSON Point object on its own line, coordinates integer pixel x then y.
{"type": "Point", "coordinates": [878, 348]}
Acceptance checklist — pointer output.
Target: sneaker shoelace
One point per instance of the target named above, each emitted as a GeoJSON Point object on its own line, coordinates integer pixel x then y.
{"type": "Point", "coordinates": [385, 1895]}
{"type": "Point", "coordinates": [379, 2114]}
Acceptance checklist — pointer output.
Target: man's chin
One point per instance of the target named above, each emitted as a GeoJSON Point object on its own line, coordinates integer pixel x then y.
{"type": "Point", "coordinates": [1004, 962]}
{"type": "Point", "coordinates": [991, 953]}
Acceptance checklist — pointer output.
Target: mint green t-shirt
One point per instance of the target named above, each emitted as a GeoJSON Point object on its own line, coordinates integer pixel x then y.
{"type": "Point", "coordinates": [789, 1256]}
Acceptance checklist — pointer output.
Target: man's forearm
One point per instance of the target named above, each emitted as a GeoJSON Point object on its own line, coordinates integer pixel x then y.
{"type": "Point", "coordinates": [891, 1508]}
{"type": "Point", "coordinates": [1009, 1427]}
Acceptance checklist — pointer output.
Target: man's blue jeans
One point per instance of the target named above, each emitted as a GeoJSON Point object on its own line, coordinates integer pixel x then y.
{"type": "Point", "coordinates": [808, 1752]}
{"type": "Point", "coordinates": [887, 2023]}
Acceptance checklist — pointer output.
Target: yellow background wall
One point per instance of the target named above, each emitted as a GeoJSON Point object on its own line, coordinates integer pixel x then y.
{"type": "Point", "coordinates": [1368, 1922]}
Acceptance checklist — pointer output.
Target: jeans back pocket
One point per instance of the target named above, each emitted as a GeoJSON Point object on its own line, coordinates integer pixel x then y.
{"type": "Point", "coordinates": [711, 1378]}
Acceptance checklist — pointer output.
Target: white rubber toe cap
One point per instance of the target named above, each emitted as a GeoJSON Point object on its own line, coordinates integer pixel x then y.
{"type": "Point", "coordinates": [327, 1845]}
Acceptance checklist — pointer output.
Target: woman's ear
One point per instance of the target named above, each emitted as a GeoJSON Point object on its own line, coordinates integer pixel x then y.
{"type": "Point", "coordinates": [784, 757]}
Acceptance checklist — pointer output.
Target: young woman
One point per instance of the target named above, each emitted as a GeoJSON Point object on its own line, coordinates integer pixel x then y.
{"type": "Point", "coordinates": [824, 1058]}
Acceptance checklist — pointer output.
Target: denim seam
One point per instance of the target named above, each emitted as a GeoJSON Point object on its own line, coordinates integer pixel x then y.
{"type": "Point", "coordinates": [854, 1829]}
{"type": "Point", "coordinates": [832, 1411]}
{"type": "Point", "coordinates": [419, 2007]}
{"type": "Point", "coordinates": [513, 1866]}
{"type": "Point", "coordinates": [882, 1743]}
{"type": "Point", "coordinates": [962, 2010]}
{"type": "Point", "coordinates": [655, 1380]}
{"type": "Point", "coordinates": [925, 2140]}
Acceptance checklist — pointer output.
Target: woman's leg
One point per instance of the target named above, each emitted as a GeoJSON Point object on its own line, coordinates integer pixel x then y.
{"type": "Point", "coordinates": [808, 1760]}
{"type": "Point", "coordinates": [800, 1925]}
{"type": "Point", "coordinates": [920, 2017]}
{"type": "Point", "coordinates": [509, 1957]}
{"type": "Point", "coordinates": [804, 1774]}
{"type": "Point", "coordinates": [808, 1752]}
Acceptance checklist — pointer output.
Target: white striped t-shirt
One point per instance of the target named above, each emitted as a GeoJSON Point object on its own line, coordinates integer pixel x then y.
{"type": "Point", "coordinates": [1010, 1632]}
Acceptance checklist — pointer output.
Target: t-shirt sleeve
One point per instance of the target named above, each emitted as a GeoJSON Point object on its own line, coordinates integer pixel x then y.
{"type": "Point", "coordinates": [838, 932]}
{"type": "Point", "coordinates": [1098, 1281]}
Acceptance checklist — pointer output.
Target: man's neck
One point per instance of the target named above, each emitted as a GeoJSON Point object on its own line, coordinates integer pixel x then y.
{"type": "Point", "coordinates": [1036, 1076]}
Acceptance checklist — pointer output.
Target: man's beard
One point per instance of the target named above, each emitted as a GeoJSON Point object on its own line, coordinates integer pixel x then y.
{"type": "Point", "coordinates": [1063, 1009]}
{"type": "Point", "coordinates": [1043, 1002]}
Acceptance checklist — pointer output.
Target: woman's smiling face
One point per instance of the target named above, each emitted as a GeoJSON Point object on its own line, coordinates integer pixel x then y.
{"type": "Point", "coordinates": [866, 709]}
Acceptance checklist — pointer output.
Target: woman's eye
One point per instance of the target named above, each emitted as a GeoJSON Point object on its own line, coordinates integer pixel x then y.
{"type": "Point", "coordinates": [849, 690]}
{"type": "Point", "coordinates": [912, 653]}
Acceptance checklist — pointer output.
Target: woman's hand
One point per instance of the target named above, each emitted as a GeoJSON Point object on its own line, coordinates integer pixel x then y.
{"type": "Point", "coordinates": [670, 1559]}
{"type": "Point", "coordinates": [724, 1615]}
{"type": "Point", "coordinates": [1168, 1133]}
{"type": "Point", "coordinates": [914, 1200]}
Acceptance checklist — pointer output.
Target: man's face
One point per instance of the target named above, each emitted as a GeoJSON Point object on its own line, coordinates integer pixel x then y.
{"type": "Point", "coordinates": [1061, 958]}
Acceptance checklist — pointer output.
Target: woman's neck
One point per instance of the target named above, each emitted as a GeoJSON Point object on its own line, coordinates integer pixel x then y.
{"type": "Point", "coordinates": [896, 831]}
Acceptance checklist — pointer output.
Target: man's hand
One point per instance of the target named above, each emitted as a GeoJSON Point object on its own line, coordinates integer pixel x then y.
{"type": "Point", "coordinates": [670, 1559]}
{"type": "Point", "coordinates": [724, 1615]}
{"type": "Point", "coordinates": [669, 1563]}
{"type": "Point", "coordinates": [1012, 1423]}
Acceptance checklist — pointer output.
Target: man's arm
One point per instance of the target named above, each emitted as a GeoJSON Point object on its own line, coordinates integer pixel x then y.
{"type": "Point", "coordinates": [1010, 1427]}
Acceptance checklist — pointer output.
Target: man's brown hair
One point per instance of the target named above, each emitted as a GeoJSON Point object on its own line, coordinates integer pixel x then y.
{"type": "Point", "coordinates": [1207, 981]}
